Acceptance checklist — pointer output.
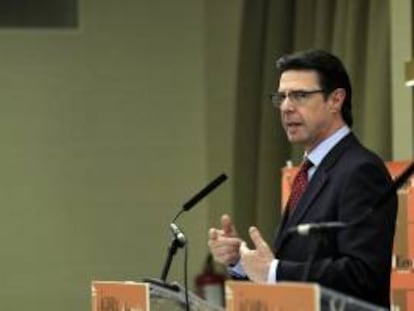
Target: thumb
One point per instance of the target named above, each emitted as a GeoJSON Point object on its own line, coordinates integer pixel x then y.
{"type": "Point", "coordinates": [212, 234]}
{"type": "Point", "coordinates": [227, 226]}
{"type": "Point", "coordinates": [257, 239]}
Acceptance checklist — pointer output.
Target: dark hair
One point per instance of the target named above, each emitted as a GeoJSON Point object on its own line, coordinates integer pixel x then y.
{"type": "Point", "coordinates": [331, 72]}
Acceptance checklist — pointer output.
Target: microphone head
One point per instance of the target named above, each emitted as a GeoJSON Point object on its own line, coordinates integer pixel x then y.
{"type": "Point", "coordinates": [309, 228]}
{"type": "Point", "coordinates": [204, 192]}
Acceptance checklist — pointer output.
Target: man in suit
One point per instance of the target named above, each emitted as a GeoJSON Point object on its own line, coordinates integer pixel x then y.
{"type": "Point", "coordinates": [343, 180]}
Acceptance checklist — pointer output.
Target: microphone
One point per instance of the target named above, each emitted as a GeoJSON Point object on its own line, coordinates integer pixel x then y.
{"type": "Point", "coordinates": [179, 240]}
{"type": "Point", "coordinates": [199, 196]}
{"type": "Point", "coordinates": [204, 192]}
{"type": "Point", "coordinates": [309, 228]}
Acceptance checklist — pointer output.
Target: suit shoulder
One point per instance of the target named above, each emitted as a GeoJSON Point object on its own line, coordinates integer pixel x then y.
{"type": "Point", "coordinates": [351, 157]}
{"type": "Point", "coordinates": [360, 155]}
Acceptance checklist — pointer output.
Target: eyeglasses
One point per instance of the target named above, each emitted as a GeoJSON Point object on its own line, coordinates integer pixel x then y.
{"type": "Point", "coordinates": [296, 97]}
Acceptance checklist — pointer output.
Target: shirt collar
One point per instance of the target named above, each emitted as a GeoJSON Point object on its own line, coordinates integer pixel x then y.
{"type": "Point", "coordinates": [322, 149]}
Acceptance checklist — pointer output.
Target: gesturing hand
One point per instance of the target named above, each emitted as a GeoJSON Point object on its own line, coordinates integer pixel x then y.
{"type": "Point", "coordinates": [224, 243]}
{"type": "Point", "coordinates": [256, 262]}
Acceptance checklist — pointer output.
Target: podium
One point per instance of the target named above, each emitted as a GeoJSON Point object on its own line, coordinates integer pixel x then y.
{"type": "Point", "coordinates": [165, 299]}
{"type": "Point", "coordinates": [133, 296]}
{"type": "Point", "coordinates": [290, 296]}
{"type": "Point", "coordinates": [240, 296]}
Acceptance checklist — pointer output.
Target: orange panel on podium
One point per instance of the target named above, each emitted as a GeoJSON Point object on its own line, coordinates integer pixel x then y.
{"type": "Point", "coordinates": [291, 296]}
{"type": "Point", "coordinates": [109, 296]}
{"type": "Point", "coordinates": [284, 296]}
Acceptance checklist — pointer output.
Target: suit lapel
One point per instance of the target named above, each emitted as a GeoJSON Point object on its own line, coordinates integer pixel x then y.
{"type": "Point", "coordinates": [315, 187]}
{"type": "Point", "coordinates": [294, 217]}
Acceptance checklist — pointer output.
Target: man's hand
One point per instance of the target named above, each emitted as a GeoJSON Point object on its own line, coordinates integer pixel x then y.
{"type": "Point", "coordinates": [256, 263]}
{"type": "Point", "coordinates": [224, 243]}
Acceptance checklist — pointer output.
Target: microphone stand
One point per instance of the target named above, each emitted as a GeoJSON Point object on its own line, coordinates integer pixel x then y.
{"type": "Point", "coordinates": [178, 241]}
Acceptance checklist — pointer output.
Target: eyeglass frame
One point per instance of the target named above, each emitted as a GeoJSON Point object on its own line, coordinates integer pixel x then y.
{"type": "Point", "coordinates": [295, 96]}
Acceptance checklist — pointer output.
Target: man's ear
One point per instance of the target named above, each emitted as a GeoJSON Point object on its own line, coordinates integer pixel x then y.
{"type": "Point", "coordinates": [337, 98]}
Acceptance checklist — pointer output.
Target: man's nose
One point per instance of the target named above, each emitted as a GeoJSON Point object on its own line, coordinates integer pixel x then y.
{"type": "Point", "coordinates": [287, 104]}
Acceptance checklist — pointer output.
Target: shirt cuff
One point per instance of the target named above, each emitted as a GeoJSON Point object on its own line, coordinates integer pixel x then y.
{"type": "Point", "coordinates": [271, 276]}
{"type": "Point", "coordinates": [237, 270]}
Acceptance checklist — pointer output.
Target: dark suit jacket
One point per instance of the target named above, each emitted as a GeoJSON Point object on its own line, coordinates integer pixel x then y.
{"type": "Point", "coordinates": [357, 261]}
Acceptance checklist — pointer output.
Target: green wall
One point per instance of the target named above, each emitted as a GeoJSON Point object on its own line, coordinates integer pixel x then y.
{"type": "Point", "coordinates": [104, 135]}
{"type": "Point", "coordinates": [105, 131]}
{"type": "Point", "coordinates": [222, 44]}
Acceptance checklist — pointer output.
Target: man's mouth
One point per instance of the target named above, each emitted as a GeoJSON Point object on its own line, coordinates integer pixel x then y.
{"type": "Point", "coordinates": [293, 124]}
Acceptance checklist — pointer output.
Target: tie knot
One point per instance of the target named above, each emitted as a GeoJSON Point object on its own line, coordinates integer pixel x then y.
{"type": "Point", "coordinates": [306, 164]}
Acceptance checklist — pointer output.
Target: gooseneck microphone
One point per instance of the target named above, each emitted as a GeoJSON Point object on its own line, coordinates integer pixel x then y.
{"type": "Point", "coordinates": [309, 228]}
{"type": "Point", "coordinates": [179, 240]}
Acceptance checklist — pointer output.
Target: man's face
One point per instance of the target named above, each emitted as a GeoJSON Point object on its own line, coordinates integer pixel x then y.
{"type": "Point", "coordinates": [308, 118]}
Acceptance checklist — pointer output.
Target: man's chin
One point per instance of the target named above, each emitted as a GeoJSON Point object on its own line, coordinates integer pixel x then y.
{"type": "Point", "coordinates": [294, 139]}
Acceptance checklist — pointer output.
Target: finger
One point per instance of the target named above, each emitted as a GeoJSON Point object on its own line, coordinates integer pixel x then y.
{"type": "Point", "coordinates": [213, 234]}
{"type": "Point", "coordinates": [243, 249]}
{"type": "Point", "coordinates": [227, 225]}
{"type": "Point", "coordinates": [225, 250]}
{"type": "Point", "coordinates": [257, 239]}
{"type": "Point", "coordinates": [225, 244]}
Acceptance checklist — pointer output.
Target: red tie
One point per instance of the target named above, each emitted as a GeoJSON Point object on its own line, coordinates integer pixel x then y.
{"type": "Point", "coordinates": [299, 184]}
